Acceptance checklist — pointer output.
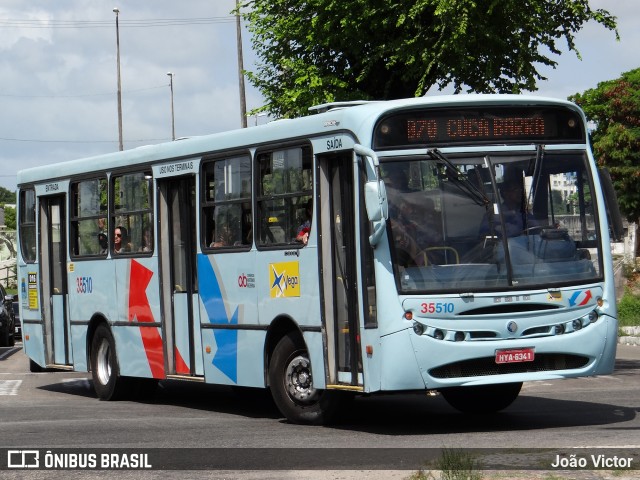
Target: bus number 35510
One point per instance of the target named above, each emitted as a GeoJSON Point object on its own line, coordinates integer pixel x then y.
{"type": "Point", "coordinates": [437, 307]}
{"type": "Point", "coordinates": [84, 285]}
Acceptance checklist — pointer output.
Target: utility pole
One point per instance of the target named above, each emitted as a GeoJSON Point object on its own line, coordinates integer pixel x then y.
{"type": "Point", "coordinates": [173, 121]}
{"type": "Point", "coordinates": [117, 11]}
{"type": "Point", "coordinates": [243, 100]}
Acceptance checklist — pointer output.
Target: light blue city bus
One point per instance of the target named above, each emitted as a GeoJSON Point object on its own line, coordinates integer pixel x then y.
{"type": "Point", "coordinates": [457, 244]}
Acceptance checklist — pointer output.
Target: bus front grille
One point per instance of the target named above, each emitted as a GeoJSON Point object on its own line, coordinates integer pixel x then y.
{"type": "Point", "coordinates": [487, 366]}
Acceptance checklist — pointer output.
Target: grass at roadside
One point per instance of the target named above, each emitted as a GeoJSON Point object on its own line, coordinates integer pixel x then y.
{"type": "Point", "coordinates": [629, 309]}
{"type": "Point", "coordinates": [629, 303]}
{"type": "Point", "coordinates": [452, 465]}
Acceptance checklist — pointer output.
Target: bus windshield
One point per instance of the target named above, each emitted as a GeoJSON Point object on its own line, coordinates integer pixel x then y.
{"type": "Point", "coordinates": [461, 223]}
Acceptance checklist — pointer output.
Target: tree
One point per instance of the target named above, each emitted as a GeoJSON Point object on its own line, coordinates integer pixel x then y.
{"type": "Point", "coordinates": [10, 218]}
{"type": "Point", "coordinates": [7, 196]}
{"type": "Point", "coordinates": [613, 107]}
{"type": "Point", "coordinates": [316, 51]}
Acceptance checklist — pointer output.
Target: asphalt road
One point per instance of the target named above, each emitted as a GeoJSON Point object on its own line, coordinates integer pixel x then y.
{"type": "Point", "coordinates": [241, 432]}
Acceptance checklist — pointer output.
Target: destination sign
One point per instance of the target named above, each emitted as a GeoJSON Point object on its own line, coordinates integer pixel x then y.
{"type": "Point", "coordinates": [489, 125]}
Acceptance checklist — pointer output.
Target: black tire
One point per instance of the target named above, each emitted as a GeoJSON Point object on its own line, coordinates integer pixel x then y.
{"type": "Point", "coordinates": [482, 399]}
{"type": "Point", "coordinates": [291, 382]}
{"type": "Point", "coordinates": [107, 382]}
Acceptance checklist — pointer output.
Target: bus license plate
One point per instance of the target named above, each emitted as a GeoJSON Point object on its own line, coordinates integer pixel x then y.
{"type": "Point", "coordinates": [514, 356]}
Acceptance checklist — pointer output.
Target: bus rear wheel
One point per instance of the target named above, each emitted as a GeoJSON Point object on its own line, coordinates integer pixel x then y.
{"type": "Point", "coordinates": [291, 381]}
{"type": "Point", "coordinates": [104, 366]}
{"type": "Point", "coordinates": [483, 398]}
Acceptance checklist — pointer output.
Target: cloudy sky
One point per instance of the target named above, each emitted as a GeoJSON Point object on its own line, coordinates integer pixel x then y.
{"type": "Point", "coordinates": [59, 83]}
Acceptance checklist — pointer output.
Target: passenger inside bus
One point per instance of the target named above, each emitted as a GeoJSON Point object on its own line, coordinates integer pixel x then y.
{"type": "Point", "coordinates": [103, 242]}
{"type": "Point", "coordinates": [147, 242]}
{"type": "Point", "coordinates": [517, 218]}
{"type": "Point", "coordinates": [221, 238]}
{"type": "Point", "coordinates": [302, 234]}
{"type": "Point", "coordinates": [120, 240]}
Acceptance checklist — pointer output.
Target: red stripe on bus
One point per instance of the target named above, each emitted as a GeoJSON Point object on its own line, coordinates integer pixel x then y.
{"type": "Point", "coordinates": [139, 310]}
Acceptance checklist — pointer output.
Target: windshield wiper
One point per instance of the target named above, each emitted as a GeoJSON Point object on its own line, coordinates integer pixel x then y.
{"type": "Point", "coordinates": [537, 171]}
{"type": "Point", "coordinates": [459, 179]}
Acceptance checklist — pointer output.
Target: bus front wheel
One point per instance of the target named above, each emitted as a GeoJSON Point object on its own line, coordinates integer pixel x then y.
{"type": "Point", "coordinates": [483, 398]}
{"type": "Point", "coordinates": [104, 366]}
{"type": "Point", "coordinates": [291, 381]}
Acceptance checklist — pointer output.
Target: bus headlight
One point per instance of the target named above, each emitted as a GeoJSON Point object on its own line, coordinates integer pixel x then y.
{"type": "Point", "coordinates": [593, 316]}
{"type": "Point", "coordinates": [418, 328]}
{"type": "Point", "coordinates": [577, 325]}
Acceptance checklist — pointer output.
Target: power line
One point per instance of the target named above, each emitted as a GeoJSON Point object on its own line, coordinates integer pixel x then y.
{"type": "Point", "coordinates": [168, 22]}
{"type": "Point", "coordinates": [14, 95]}
{"type": "Point", "coordinates": [30, 140]}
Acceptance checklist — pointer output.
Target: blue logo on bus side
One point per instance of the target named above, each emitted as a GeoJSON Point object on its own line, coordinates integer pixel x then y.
{"type": "Point", "coordinates": [226, 356]}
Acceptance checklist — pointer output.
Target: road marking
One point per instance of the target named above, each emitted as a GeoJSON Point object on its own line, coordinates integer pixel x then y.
{"type": "Point", "coordinates": [9, 387]}
{"type": "Point", "coordinates": [9, 352]}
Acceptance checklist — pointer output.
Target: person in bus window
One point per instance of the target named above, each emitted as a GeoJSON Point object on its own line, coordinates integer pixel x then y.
{"type": "Point", "coordinates": [103, 242]}
{"type": "Point", "coordinates": [222, 238]}
{"type": "Point", "coordinates": [302, 234]}
{"type": "Point", "coordinates": [517, 218]}
{"type": "Point", "coordinates": [120, 240]}
{"type": "Point", "coordinates": [146, 245]}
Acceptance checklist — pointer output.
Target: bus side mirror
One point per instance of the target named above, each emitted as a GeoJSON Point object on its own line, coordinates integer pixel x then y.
{"type": "Point", "coordinates": [375, 197]}
{"type": "Point", "coordinates": [375, 194]}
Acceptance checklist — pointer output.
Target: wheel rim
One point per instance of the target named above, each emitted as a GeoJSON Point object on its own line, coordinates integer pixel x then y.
{"type": "Point", "coordinates": [103, 364]}
{"type": "Point", "coordinates": [298, 380]}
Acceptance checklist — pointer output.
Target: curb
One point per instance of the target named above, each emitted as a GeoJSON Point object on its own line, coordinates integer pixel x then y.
{"type": "Point", "coordinates": [631, 337]}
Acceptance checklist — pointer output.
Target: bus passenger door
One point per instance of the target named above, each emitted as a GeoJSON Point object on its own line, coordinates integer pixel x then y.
{"type": "Point", "coordinates": [178, 247]}
{"type": "Point", "coordinates": [339, 266]}
{"type": "Point", "coordinates": [53, 274]}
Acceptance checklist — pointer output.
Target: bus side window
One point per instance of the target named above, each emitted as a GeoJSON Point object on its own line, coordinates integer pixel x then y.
{"type": "Point", "coordinates": [27, 226]}
{"type": "Point", "coordinates": [226, 203]}
{"type": "Point", "coordinates": [285, 186]}
{"type": "Point", "coordinates": [132, 193]}
{"type": "Point", "coordinates": [89, 232]}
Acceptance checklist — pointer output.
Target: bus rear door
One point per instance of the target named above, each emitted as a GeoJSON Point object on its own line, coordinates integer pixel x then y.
{"type": "Point", "coordinates": [53, 275]}
{"type": "Point", "coordinates": [178, 248]}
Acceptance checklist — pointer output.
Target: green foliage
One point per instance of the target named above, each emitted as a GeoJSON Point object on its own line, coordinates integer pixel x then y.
{"type": "Point", "coordinates": [458, 465]}
{"type": "Point", "coordinates": [614, 108]}
{"type": "Point", "coordinates": [559, 204]}
{"type": "Point", "coordinates": [453, 464]}
{"type": "Point", "coordinates": [316, 51]}
{"type": "Point", "coordinates": [10, 218]}
{"type": "Point", "coordinates": [629, 309]}
{"type": "Point", "coordinates": [7, 196]}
